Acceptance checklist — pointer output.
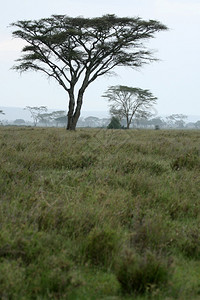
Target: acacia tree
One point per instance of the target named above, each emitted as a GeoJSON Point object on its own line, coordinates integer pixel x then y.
{"type": "Point", "coordinates": [157, 122]}
{"type": "Point", "coordinates": [58, 114]}
{"type": "Point", "coordinates": [76, 51]}
{"type": "Point", "coordinates": [47, 118]}
{"type": "Point", "coordinates": [127, 102]}
{"type": "Point", "coordinates": [176, 120]}
{"type": "Point", "coordinates": [36, 111]}
{"type": "Point", "coordinates": [1, 112]}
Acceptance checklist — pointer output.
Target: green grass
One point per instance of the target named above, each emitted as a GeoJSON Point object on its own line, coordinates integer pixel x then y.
{"type": "Point", "coordinates": [99, 214]}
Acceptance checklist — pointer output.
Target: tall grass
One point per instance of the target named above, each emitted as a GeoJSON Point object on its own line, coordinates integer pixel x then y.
{"type": "Point", "coordinates": [94, 214]}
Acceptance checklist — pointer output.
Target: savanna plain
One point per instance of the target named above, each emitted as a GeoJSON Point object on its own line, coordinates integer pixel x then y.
{"type": "Point", "coordinates": [99, 214]}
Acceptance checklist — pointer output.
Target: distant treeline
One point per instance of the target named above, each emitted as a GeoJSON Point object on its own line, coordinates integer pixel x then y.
{"type": "Point", "coordinates": [177, 121]}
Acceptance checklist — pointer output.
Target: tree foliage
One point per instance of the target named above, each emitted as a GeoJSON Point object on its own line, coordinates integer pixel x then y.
{"type": "Point", "coordinates": [36, 111]}
{"type": "Point", "coordinates": [127, 102]}
{"type": "Point", "coordinates": [114, 123]}
{"type": "Point", "coordinates": [177, 120]}
{"type": "Point", "coordinates": [19, 122]}
{"type": "Point", "coordinates": [48, 118]}
{"type": "Point", "coordinates": [1, 112]}
{"type": "Point", "coordinates": [76, 51]}
{"type": "Point", "coordinates": [197, 124]}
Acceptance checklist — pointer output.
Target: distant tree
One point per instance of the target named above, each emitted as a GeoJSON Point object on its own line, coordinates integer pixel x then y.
{"type": "Point", "coordinates": [45, 118]}
{"type": "Point", "coordinates": [92, 121]}
{"type": "Point", "coordinates": [58, 114]}
{"type": "Point", "coordinates": [190, 125]}
{"type": "Point", "coordinates": [114, 123]}
{"type": "Point", "coordinates": [158, 121]}
{"type": "Point", "coordinates": [61, 120]}
{"type": "Point", "coordinates": [1, 112]}
{"type": "Point", "coordinates": [19, 122]}
{"type": "Point", "coordinates": [197, 124]}
{"type": "Point", "coordinates": [142, 119]}
{"type": "Point", "coordinates": [105, 122]}
{"type": "Point", "coordinates": [76, 51]}
{"type": "Point", "coordinates": [50, 118]}
{"type": "Point", "coordinates": [126, 102]}
{"type": "Point", "coordinates": [81, 122]}
{"type": "Point", "coordinates": [36, 112]}
{"type": "Point", "coordinates": [176, 120]}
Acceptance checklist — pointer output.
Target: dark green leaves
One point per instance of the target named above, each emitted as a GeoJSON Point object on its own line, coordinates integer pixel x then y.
{"type": "Point", "coordinates": [97, 40]}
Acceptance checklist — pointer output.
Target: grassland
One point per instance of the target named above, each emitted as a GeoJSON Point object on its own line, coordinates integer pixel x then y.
{"type": "Point", "coordinates": [99, 214]}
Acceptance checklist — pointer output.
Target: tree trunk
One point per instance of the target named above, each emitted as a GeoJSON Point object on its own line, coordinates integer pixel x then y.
{"type": "Point", "coordinates": [127, 122]}
{"type": "Point", "coordinates": [74, 116]}
{"type": "Point", "coordinates": [78, 106]}
{"type": "Point", "coordinates": [70, 110]}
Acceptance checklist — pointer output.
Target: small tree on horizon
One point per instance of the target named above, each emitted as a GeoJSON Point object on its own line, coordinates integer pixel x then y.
{"type": "Point", "coordinates": [92, 121]}
{"type": "Point", "coordinates": [114, 124]}
{"type": "Point", "coordinates": [35, 112]}
{"type": "Point", "coordinates": [197, 124]}
{"type": "Point", "coordinates": [127, 102]}
{"type": "Point", "coordinates": [19, 122]}
{"type": "Point", "coordinates": [61, 120]}
{"type": "Point", "coordinates": [1, 112]}
{"type": "Point", "coordinates": [77, 51]}
{"type": "Point", "coordinates": [176, 120]}
{"type": "Point", "coordinates": [45, 118]}
{"type": "Point", "coordinates": [51, 117]}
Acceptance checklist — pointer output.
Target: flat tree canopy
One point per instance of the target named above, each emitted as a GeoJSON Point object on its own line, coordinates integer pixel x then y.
{"type": "Point", "coordinates": [76, 51]}
{"type": "Point", "coordinates": [35, 112]}
{"type": "Point", "coordinates": [127, 102]}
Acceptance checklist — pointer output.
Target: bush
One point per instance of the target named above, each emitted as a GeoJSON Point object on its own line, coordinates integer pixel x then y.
{"type": "Point", "coordinates": [114, 124]}
{"type": "Point", "coordinates": [189, 244]}
{"type": "Point", "coordinates": [139, 273]}
{"type": "Point", "coordinates": [101, 246]}
{"type": "Point", "coordinates": [53, 275]}
{"type": "Point", "coordinates": [151, 232]}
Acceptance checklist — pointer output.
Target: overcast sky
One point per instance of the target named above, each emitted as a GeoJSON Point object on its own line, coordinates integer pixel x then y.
{"type": "Point", "coordinates": [174, 79]}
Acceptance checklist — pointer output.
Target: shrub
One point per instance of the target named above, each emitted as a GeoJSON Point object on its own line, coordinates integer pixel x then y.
{"type": "Point", "coordinates": [114, 124]}
{"type": "Point", "coordinates": [189, 244]}
{"type": "Point", "coordinates": [151, 232]}
{"type": "Point", "coordinates": [101, 246]}
{"type": "Point", "coordinates": [139, 273]}
{"type": "Point", "coordinates": [53, 275]}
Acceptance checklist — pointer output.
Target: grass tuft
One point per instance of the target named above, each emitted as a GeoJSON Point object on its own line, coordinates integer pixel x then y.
{"type": "Point", "coordinates": [139, 274]}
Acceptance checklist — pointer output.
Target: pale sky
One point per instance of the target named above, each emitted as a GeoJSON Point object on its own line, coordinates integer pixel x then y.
{"type": "Point", "coordinates": [174, 79]}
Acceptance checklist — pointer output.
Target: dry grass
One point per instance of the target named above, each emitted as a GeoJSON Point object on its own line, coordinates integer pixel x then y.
{"type": "Point", "coordinates": [88, 214]}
